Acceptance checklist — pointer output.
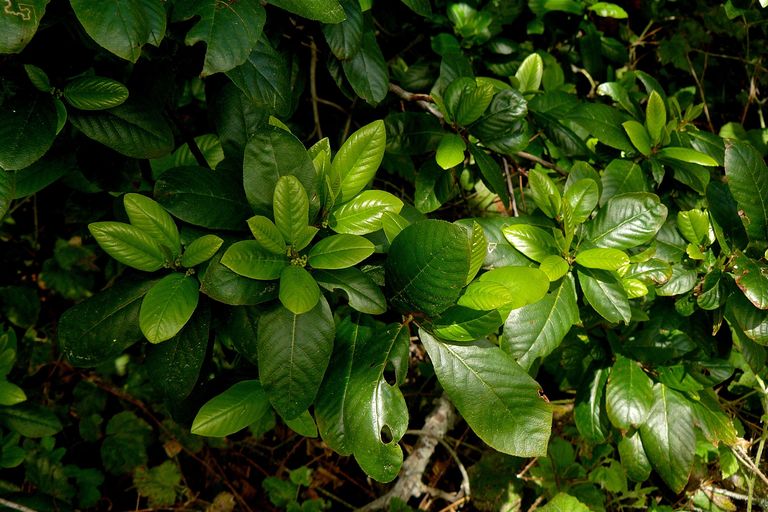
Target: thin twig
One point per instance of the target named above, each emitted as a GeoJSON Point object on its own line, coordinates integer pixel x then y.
{"type": "Point", "coordinates": [15, 506]}
{"type": "Point", "coordinates": [510, 187]}
{"type": "Point", "coordinates": [425, 101]}
{"type": "Point", "coordinates": [189, 140]}
{"type": "Point", "coordinates": [313, 89]}
{"type": "Point", "coordinates": [701, 92]}
{"type": "Point", "coordinates": [542, 162]}
{"type": "Point", "coordinates": [744, 459]}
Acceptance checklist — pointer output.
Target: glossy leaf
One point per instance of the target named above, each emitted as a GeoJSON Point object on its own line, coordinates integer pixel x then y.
{"type": "Point", "coordinates": [201, 250]}
{"type": "Point", "coordinates": [629, 394]}
{"type": "Point", "coordinates": [340, 251]}
{"type": "Point", "coordinates": [478, 245]}
{"type": "Point", "coordinates": [465, 100]}
{"type": "Point", "coordinates": [27, 129]}
{"type": "Point", "coordinates": [363, 293]}
{"type": "Point", "coordinates": [626, 221]}
{"type": "Point", "coordinates": [362, 215]}
{"type": "Point", "coordinates": [491, 172]}
{"type": "Point", "coordinates": [655, 117]}
{"type": "Point", "coordinates": [327, 11]}
{"type": "Point", "coordinates": [605, 293]}
{"type": "Point", "coordinates": [222, 284]}
{"type": "Point", "coordinates": [503, 127]}
{"type": "Point", "coordinates": [582, 198]}
{"type": "Point", "coordinates": [102, 326]}
{"type": "Point", "coordinates": [266, 233]}
{"type": "Point", "coordinates": [450, 151]}
{"type": "Point", "coordinates": [294, 351]}
{"type": "Point", "coordinates": [299, 292]}
{"type": "Point", "coordinates": [232, 410]}
{"type": "Point", "coordinates": [527, 285]}
{"type": "Point", "coordinates": [151, 218]}
{"type": "Point", "coordinates": [291, 209]}
{"type": "Point", "coordinates": [620, 177]}
{"type": "Point", "coordinates": [751, 279]}
{"type": "Point", "coordinates": [537, 329]}
{"type": "Point", "coordinates": [530, 240]}
{"type": "Point", "coordinates": [588, 412]}
{"type": "Point", "coordinates": [345, 38]}
{"type": "Point", "coordinates": [427, 266]}
{"type": "Point", "coordinates": [687, 155]}
{"type": "Point", "coordinates": [638, 135]}
{"type": "Point", "coordinates": [229, 32]}
{"type": "Point", "coordinates": [168, 306]}
{"type": "Point", "coordinates": [358, 159]}
{"type": "Point", "coordinates": [545, 193]}
{"type": "Point", "coordinates": [748, 182]}
{"type": "Point", "coordinates": [248, 258]}
{"type": "Point", "coordinates": [668, 437]}
{"type": "Point", "coordinates": [95, 93]}
{"type": "Point", "coordinates": [458, 323]}
{"type": "Point", "coordinates": [604, 122]}
{"type": "Point", "coordinates": [129, 245]}
{"type": "Point", "coordinates": [554, 267]}
{"type": "Point", "coordinates": [606, 259]}
{"type": "Point", "coordinates": [530, 72]}
{"type": "Point", "coordinates": [694, 226]}
{"type": "Point", "coordinates": [633, 457]}
{"type": "Point", "coordinates": [122, 27]}
{"type": "Point", "coordinates": [367, 70]}
{"type": "Point", "coordinates": [489, 388]}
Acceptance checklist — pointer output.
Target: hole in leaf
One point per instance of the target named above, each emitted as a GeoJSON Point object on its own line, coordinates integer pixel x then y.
{"type": "Point", "coordinates": [386, 434]}
{"type": "Point", "coordinates": [389, 374]}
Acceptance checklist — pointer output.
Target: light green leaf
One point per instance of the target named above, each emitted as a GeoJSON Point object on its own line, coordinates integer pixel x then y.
{"type": "Point", "coordinates": [229, 32]}
{"type": "Point", "coordinates": [327, 11]}
{"type": "Point", "coordinates": [168, 306]}
{"type": "Point", "coordinates": [149, 217]}
{"type": "Point", "coordinates": [122, 26]}
{"type": "Point", "coordinates": [681, 280]}
{"type": "Point", "coordinates": [626, 221]}
{"type": "Point", "coordinates": [129, 245]}
{"type": "Point", "coordinates": [537, 329]}
{"type": "Point", "coordinates": [367, 70]}
{"type": "Point", "coordinates": [581, 197]}
{"type": "Point", "coordinates": [563, 502]}
{"type": "Point", "coordinates": [638, 135]}
{"type": "Point", "coordinates": [629, 394]}
{"type": "Point", "coordinates": [299, 292]}
{"type": "Point", "coordinates": [427, 266]}
{"type": "Point", "coordinates": [526, 284]}
{"type": "Point", "coordinates": [695, 227]}
{"type": "Point", "coordinates": [11, 394]}
{"type": "Point", "coordinates": [748, 181]}
{"type": "Point", "coordinates": [340, 251]}
{"type": "Point", "coordinates": [478, 249]}
{"type": "Point", "coordinates": [95, 93]}
{"type": "Point", "coordinates": [655, 117]}
{"type": "Point", "coordinates": [393, 224]}
{"type": "Point", "coordinates": [27, 129]}
{"type": "Point", "coordinates": [545, 192]}
{"type": "Point", "coordinates": [362, 215]}
{"type": "Point", "coordinates": [608, 10]}
{"type": "Point", "coordinates": [266, 233]}
{"type": "Point", "coordinates": [304, 425]}
{"type": "Point", "coordinates": [668, 437]}
{"type": "Point", "coordinates": [363, 293]}
{"type": "Point", "coordinates": [201, 250]}
{"type": "Point", "coordinates": [291, 209]}
{"type": "Point", "coordinates": [605, 293]}
{"type": "Point", "coordinates": [690, 156]}
{"type": "Point", "coordinates": [293, 352]}
{"type": "Point", "coordinates": [19, 23]}
{"type": "Point", "coordinates": [450, 151]}
{"type": "Point", "coordinates": [606, 259]}
{"type": "Point", "coordinates": [489, 389]}
{"type": "Point", "coordinates": [554, 267]}
{"type": "Point", "coordinates": [359, 158]}
{"type": "Point", "coordinates": [483, 296]}
{"type": "Point", "coordinates": [529, 73]}
{"type": "Point", "coordinates": [248, 258]}
{"type": "Point", "coordinates": [532, 241]}
{"type": "Point", "coordinates": [232, 410]}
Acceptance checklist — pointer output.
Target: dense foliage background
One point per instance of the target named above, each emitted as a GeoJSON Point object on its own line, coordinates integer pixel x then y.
{"type": "Point", "coordinates": [340, 254]}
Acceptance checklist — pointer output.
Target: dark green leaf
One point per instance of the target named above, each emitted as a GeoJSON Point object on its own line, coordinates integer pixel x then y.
{"type": "Point", "coordinates": [30, 420]}
{"type": "Point", "coordinates": [294, 351]}
{"type": "Point", "coordinates": [327, 11]}
{"type": "Point", "coordinates": [458, 323]}
{"type": "Point", "coordinates": [7, 190]}
{"type": "Point", "coordinates": [367, 70]}
{"type": "Point", "coordinates": [420, 7]}
{"type": "Point", "coordinates": [503, 127]}
{"type": "Point", "coordinates": [223, 285]}
{"type": "Point", "coordinates": [748, 181]}
{"type": "Point", "coordinates": [27, 129]}
{"type": "Point", "coordinates": [364, 295]}
{"type": "Point", "coordinates": [491, 172]}
{"type": "Point", "coordinates": [232, 410]}
{"type": "Point", "coordinates": [751, 278]}
{"type": "Point", "coordinates": [605, 293]}
{"type": "Point", "coordinates": [633, 458]}
{"type": "Point", "coordinates": [629, 394]}
{"type": "Point", "coordinates": [427, 266]}
{"type": "Point", "coordinates": [489, 388]}
{"type": "Point", "coordinates": [412, 133]}
{"type": "Point", "coordinates": [621, 177]}
{"type": "Point", "coordinates": [95, 93]}
{"type": "Point", "coordinates": [604, 122]}
{"type": "Point", "coordinates": [265, 79]}
{"type": "Point", "coordinates": [588, 412]}
{"type": "Point", "coordinates": [465, 100]}
{"type": "Point", "coordinates": [168, 306]}
{"type": "Point", "coordinates": [345, 38]}
{"type": "Point", "coordinates": [626, 221]}
{"type": "Point", "coordinates": [19, 23]}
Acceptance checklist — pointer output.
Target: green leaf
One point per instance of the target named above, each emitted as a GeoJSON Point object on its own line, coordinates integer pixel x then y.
{"type": "Point", "coordinates": [294, 351]}
{"type": "Point", "coordinates": [30, 420]}
{"type": "Point", "coordinates": [358, 159]}
{"type": "Point", "coordinates": [633, 458]}
{"type": "Point", "coordinates": [10, 393]}
{"type": "Point", "coordinates": [299, 292]}
{"type": "Point", "coordinates": [450, 151]}
{"type": "Point", "coordinates": [131, 129]}
{"type": "Point", "coordinates": [621, 177]}
{"type": "Point", "coordinates": [629, 394]}
{"type": "Point", "coordinates": [229, 31]}
{"type": "Point", "coordinates": [201, 250]}
{"type": "Point", "coordinates": [694, 226]}
{"type": "Point", "coordinates": [668, 437]}
{"type": "Point", "coordinates": [483, 296]}
{"type": "Point", "coordinates": [626, 221]}
{"type": "Point", "coordinates": [367, 70]}
{"type": "Point", "coordinates": [327, 11]}
{"type": "Point", "coordinates": [345, 38]}
{"type": "Point", "coordinates": [589, 406]}
{"type": "Point", "coordinates": [363, 293]}
{"type": "Point", "coordinates": [529, 73]}
{"type": "Point", "coordinates": [362, 215]}
{"type": "Point", "coordinates": [638, 135]}
{"type": "Point", "coordinates": [582, 198]}
{"type": "Point", "coordinates": [95, 93]}
{"type": "Point", "coordinates": [604, 122]}
{"type": "Point", "coordinates": [420, 7]}
{"type": "Point", "coordinates": [526, 285]}
{"type": "Point", "coordinates": [427, 266]}
{"type": "Point", "coordinates": [554, 267]}
{"type": "Point", "coordinates": [232, 410]}
{"type": "Point", "coordinates": [478, 249]}
{"type": "Point", "coordinates": [608, 10]}
{"type": "Point", "coordinates": [7, 191]}
{"type": "Point", "coordinates": [168, 306]}
{"type": "Point", "coordinates": [458, 323]}
{"type": "Point", "coordinates": [537, 329]}
{"type": "Point", "coordinates": [101, 327]}
{"type": "Point", "coordinates": [248, 258]}
{"type": "Point", "coordinates": [681, 281]}
{"type": "Point", "coordinates": [224, 285]}
{"type": "Point", "coordinates": [606, 259]}
{"type": "Point", "coordinates": [291, 209]}
{"type": "Point", "coordinates": [563, 502]}
{"type": "Point", "coordinates": [148, 216]}
{"type": "Point", "coordinates": [27, 129]}
{"type": "Point", "coordinates": [159, 484]}
{"type": "Point", "coordinates": [750, 277]}
{"type": "Point", "coordinates": [270, 154]}
{"type": "Point", "coordinates": [393, 224]}
{"type": "Point", "coordinates": [175, 365]}
{"type": "Point", "coordinates": [748, 181]}
{"type": "Point", "coordinates": [690, 156]}
{"type": "Point", "coordinates": [266, 233]}
{"type": "Point", "coordinates": [19, 23]}
{"type": "Point", "coordinates": [545, 192]}
{"type": "Point", "coordinates": [38, 77]}
{"type": "Point", "coordinates": [202, 197]}
{"type": "Point", "coordinates": [265, 79]}
{"type": "Point", "coordinates": [503, 127]}
{"type": "Point", "coordinates": [491, 172]}
{"type": "Point", "coordinates": [489, 389]}
{"type": "Point", "coordinates": [465, 100]}
{"type": "Point", "coordinates": [605, 293]}
{"type": "Point", "coordinates": [655, 117]}
{"type": "Point", "coordinates": [340, 251]}
{"type": "Point", "coordinates": [304, 425]}
{"type": "Point", "coordinates": [532, 241]}
{"type": "Point", "coordinates": [129, 245]}
{"type": "Point", "coordinates": [122, 27]}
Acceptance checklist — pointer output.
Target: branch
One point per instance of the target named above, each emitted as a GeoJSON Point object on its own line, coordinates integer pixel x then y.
{"type": "Point", "coordinates": [542, 162]}
{"type": "Point", "coordinates": [425, 101]}
{"type": "Point", "coordinates": [15, 506]}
